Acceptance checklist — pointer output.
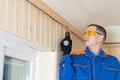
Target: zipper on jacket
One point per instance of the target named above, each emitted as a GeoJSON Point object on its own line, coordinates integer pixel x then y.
{"type": "Point", "coordinates": [93, 67]}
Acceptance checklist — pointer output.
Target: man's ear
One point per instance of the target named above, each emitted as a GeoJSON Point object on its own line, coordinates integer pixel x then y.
{"type": "Point", "coordinates": [101, 37]}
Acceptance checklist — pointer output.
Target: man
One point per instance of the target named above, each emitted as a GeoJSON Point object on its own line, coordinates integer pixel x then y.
{"type": "Point", "coordinates": [92, 63]}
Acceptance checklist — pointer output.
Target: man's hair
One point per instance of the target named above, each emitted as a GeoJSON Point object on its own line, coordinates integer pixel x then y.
{"type": "Point", "coordinates": [100, 29]}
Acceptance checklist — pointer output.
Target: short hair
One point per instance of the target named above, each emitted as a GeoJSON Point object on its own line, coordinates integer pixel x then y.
{"type": "Point", "coordinates": [100, 29]}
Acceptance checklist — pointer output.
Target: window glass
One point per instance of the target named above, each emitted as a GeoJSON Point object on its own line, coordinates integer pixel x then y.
{"type": "Point", "coordinates": [16, 69]}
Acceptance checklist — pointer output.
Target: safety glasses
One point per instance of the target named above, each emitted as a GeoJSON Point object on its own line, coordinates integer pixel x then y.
{"type": "Point", "coordinates": [91, 33]}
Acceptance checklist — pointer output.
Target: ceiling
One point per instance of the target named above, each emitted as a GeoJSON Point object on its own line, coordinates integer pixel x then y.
{"type": "Point", "coordinates": [81, 13]}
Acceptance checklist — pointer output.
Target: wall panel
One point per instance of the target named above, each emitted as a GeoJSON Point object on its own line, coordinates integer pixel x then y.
{"type": "Point", "coordinates": [46, 31]}
{"type": "Point", "coordinates": [53, 35]}
{"type": "Point", "coordinates": [3, 9]}
{"type": "Point", "coordinates": [38, 27]}
{"type": "Point", "coordinates": [59, 37]}
{"type": "Point", "coordinates": [42, 28]}
{"type": "Point", "coordinates": [117, 52]}
{"type": "Point", "coordinates": [112, 49]}
{"type": "Point", "coordinates": [49, 27]}
{"type": "Point", "coordinates": [18, 15]}
{"type": "Point", "coordinates": [25, 20]}
{"type": "Point", "coordinates": [11, 12]}
{"type": "Point", "coordinates": [32, 22]}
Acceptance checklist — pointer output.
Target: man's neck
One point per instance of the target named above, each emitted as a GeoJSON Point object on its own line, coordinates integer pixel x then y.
{"type": "Point", "coordinates": [95, 49]}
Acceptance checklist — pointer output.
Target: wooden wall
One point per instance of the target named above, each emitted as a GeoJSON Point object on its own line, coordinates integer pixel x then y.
{"type": "Point", "coordinates": [27, 21]}
{"type": "Point", "coordinates": [113, 49]}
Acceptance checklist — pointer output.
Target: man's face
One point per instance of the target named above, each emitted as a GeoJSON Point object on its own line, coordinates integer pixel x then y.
{"type": "Point", "coordinates": [91, 38]}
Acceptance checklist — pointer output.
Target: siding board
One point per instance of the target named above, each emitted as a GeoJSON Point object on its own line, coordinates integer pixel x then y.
{"type": "Point", "coordinates": [18, 20]}
{"type": "Point", "coordinates": [10, 15]}
{"type": "Point", "coordinates": [32, 22]}
{"type": "Point", "coordinates": [43, 29]}
{"type": "Point", "coordinates": [3, 9]}
{"type": "Point", "coordinates": [53, 35]}
{"type": "Point", "coordinates": [48, 32]}
{"type": "Point", "coordinates": [38, 26]}
{"type": "Point", "coordinates": [25, 19]}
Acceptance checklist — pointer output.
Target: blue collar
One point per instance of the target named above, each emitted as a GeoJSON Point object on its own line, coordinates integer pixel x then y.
{"type": "Point", "coordinates": [90, 54]}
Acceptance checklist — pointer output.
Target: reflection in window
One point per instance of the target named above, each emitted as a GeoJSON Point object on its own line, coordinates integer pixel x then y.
{"type": "Point", "coordinates": [16, 69]}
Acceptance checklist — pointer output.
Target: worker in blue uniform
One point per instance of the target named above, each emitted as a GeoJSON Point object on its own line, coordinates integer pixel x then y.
{"type": "Point", "coordinates": [89, 64]}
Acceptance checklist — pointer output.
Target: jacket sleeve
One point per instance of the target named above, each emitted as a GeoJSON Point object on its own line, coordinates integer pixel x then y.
{"type": "Point", "coordinates": [65, 68]}
{"type": "Point", "coordinates": [118, 74]}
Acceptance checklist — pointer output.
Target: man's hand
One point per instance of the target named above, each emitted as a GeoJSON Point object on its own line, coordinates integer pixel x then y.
{"type": "Point", "coordinates": [66, 44]}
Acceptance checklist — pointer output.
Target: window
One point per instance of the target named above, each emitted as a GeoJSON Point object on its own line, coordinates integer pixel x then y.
{"type": "Point", "coordinates": [18, 58]}
{"type": "Point", "coordinates": [16, 69]}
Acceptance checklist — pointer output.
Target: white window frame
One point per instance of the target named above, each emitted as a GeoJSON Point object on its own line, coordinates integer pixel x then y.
{"type": "Point", "coordinates": [13, 46]}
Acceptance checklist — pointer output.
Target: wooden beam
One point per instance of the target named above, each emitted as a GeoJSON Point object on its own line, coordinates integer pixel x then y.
{"type": "Point", "coordinates": [107, 43]}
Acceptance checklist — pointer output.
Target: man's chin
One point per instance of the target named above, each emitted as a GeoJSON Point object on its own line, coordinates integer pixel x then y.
{"type": "Point", "coordinates": [86, 44]}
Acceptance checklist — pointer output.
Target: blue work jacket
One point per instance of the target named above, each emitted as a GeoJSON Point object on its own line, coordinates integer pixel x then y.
{"type": "Point", "coordinates": [86, 66]}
